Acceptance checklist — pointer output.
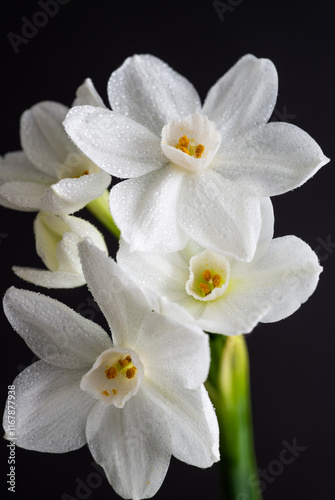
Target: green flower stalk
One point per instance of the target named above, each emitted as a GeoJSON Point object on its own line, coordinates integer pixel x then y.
{"type": "Point", "coordinates": [229, 388]}
{"type": "Point", "coordinates": [100, 209]}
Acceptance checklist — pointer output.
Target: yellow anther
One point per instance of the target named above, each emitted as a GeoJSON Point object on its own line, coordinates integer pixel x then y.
{"type": "Point", "coordinates": [207, 275]}
{"type": "Point", "coordinates": [216, 280]}
{"type": "Point", "coordinates": [131, 372]}
{"type": "Point", "coordinates": [184, 150]}
{"type": "Point", "coordinates": [183, 142]}
{"type": "Point", "coordinates": [84, 173]}
{"type": "Point", "coordinates": [199, 150]}
{"type": "Point", "coordinates": [105, 393]}
{"type": "Point", "coordinates": [111, 372]}
{"type": "Point", "coordinates": [114, 391]}
{"type": "Point", "coordinates": [205, 288]}
{"type": "Point", "coordinates": [124, 362]}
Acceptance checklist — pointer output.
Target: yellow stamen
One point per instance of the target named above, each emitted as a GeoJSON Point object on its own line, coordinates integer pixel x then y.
{"type": "Point", "coordinates": [216, 280]}
{"type": "Point", "coordinates": [205, 288]}
{"type": "Point", "coordinates": [199, 150]}
{"type": "Point", "coordinates": [105, 393]}
{"type": "Point", "coordinates": [124, 362]}
{"type": "Point", "coordinates": [183, 142]}
{"type": "Point", "coordinates": [207, 275]}
{"type": "Point", "coordinates": [84, 173]}
{"type": "Point", "coordinates": [131, 372]}
{"type": "Point", "coordinates": [111, 372]}
{"type": "Point", "coordinates": [114, 391]}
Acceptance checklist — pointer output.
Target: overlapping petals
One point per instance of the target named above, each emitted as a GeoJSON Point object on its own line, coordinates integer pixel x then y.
{"type": "Point", "coordinates": [169, 413]}
{"type": "Point", "coordinates": [254, 160]}
{"type": "Point", "coordinates": [50, 174]}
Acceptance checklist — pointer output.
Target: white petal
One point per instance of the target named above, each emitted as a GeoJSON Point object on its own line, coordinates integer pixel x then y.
{"type": "Point", "coordinates": [164, 273]}
{"type": "Point", "coordinates": [16, 167]}
{"type": "Point", "coordinates": [145, 209]}
{"type": "Point", "coordinates": [150, 92]}
{"type": "Point", "coordinates": [132, 445]}
{"type": "Point", "coordinates": [85, 230]}
{"type": "Point", "coordinates": [70, 195]}
{"type": "Point", "coordinates": [55, 333]}
{"type": "Point", "coordinates": [243, 98]}
{"type": "Point", "coordinates": [117, 144]}
{"type": "Point", "coordinates": [272, 159]}
{"type": "Point", "coordinates": [51, 410]}
{"type": "Point", "coordinates": [267, 228]}
{"type": "Point", "coordinates": [43, 137]}
{"type": "Point", "coordinates": [192, 421]}
{"type": "Point", "coordinates": [49, 279]}
{"type": "Point", "coordinates": [49, 230]}
{"type": "Point", "coordinates": [25, 196]}
{"type": "Point", "coordinates": [219, 215]}
{"type": "Point", "coordinates": [122, 303]}
{"type": "Point", "coordinates": [283, 279]}
{"type": "Point", "coordinates": [87, 94]}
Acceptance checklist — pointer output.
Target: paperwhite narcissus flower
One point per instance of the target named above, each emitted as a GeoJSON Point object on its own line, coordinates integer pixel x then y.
{"type": "Point", "coordinates": [51, 174]}
{"type": "Point", "coordinates": [198, 171]}
{"type": "Point", "coordinates": [135, 401]}
{"type": "Point", "coordinates": [57, 239]}
{"type": "Point", "coordinates": [223, 294]}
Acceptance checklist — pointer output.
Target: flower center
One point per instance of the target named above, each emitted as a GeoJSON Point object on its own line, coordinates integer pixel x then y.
{"type": "Point", "coordinates": [115, 376]}
{"type": "Point", "coordinates": [209, 276]}
{"type": "Point", "coordinates": [191, 154]}
{"type": "Point", "coordinates": [188, 146]}
{"type": "Point", "coordinates": [76, 165]}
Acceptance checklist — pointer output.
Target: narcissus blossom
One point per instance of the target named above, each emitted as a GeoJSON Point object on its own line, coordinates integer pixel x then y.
{"type": "Point", "coordinates": [135, 400]}
{"type": "Point", "coordinates": [51, 174]}
{"type": "Point", "coordinates": [57, 239]}
{"type": "Point", "coordinates": [196, 171]}
{"type": "Point", "coordinates": [223, 294]}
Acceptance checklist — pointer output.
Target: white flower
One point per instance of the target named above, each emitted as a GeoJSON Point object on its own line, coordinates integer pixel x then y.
{"type": "Point", "coordinates": [223, 294]}
{"type": "Point", "coordinates": [197, 171]}
{"type": "Point", "coordinates": [135, 401]}
{"type": "Point", "coordinates": [51, 174]}
{"type": "Point", "coordinates": [57, 239]}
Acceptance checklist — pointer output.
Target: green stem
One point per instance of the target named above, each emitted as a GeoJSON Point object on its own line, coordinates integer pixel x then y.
{"type": "Point", "coordinates": [100, 209]}
{"type": "Point", "coordinates": [229, 388]}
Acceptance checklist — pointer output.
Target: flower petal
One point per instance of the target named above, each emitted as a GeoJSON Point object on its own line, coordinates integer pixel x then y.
{"type": "Point", "coordinates": [53, 331]}
{"type": "Point", "coordinates": [87, 94]}
{"type": "Point", "coordinates": [243, 98]}
{"type": "Point", "coordinates": [219, 215]}
{"type": "Point", "coordinates": [16, 167]}
{"type": "Point", "coordinates": [132, 445]}
{"type": "Point", "coordinates": [272, 159]}
{"type": "Point", "coordinates": [117, 144]}
{"type": "Point", "coordinates": [70, 195]}
{"type": "Point", "coordinates": [51, 409]}
{"type": "Point", "coordinates": [150, 92]}
{"type": "Point", "coordinates": [43, 137]}
{"type": "Point", "coordinates": [25, 196]}
{"type": "Point", "coordinates": [193, 424]}
{"type": "Point", "coordinates": [283, 279]}
{"type": "Point", "coordinates": [49, 279]}
{"type": "Point", "coordinates": [145, 209]}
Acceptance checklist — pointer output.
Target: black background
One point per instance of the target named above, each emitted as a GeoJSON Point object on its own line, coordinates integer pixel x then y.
{"type": "Point", "coordinates": [292, 362]}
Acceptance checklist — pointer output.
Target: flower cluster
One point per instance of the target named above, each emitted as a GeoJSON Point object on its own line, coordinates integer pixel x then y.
{"type": "Point", "coordinates": [196, 255]}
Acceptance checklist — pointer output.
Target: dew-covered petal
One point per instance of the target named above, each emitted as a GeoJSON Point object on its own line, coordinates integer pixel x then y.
{"type": "Point", "coordinates": [117, 144]}
{"type": "Point", "coordinates": [146, 210]}
{"type": "Point", "coordinates": [53, 331]}
{"type": "Point", "coordinates": [243, 98]}
{"type": "Point", "coordinates": [150, 92]}
{"type": "Point", "coordinates": [283, 279]}
{"type": "Point", "coordinates": [86, 94]}
{"type": "Point", "coordinates": [272, 159]}
{"type": "Point", "coordinates": [50, 409]}
{"type": "Point", "coordinates": [43, 137]}
{"type": "Point", "coordinates": [49, 279]}
{"type": "Point", "coordinates": [219, 215]}
{"type": "Point", "coordinates": [191, 417]}
{"type": "Point", "coordinates": [17, 167]}
{"type": "Point", "coordinates": [24, 196]}
{"type": "Point", "coordinates": [70, 195]}
{"type": "Point", "coordinates": [132, 445]}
